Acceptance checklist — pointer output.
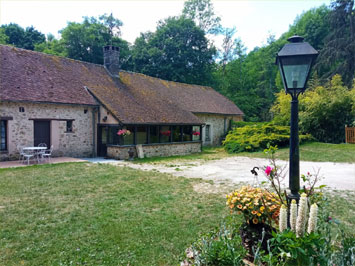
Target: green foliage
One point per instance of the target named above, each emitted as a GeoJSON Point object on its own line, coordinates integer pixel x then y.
{"type": "Point", "coordinates": [258, 137]}
{"type": "Point", "coordinates": [52, 46]}
{"type": "Point", "coordinates": [177, 51]}
{"type": "Point", "coordinates": [287, 249]}
{"type": "Point", "coordinates": [324, 111]}
{"type": "Point", "coordinates": [4, 39]}
{"type": "Point", "coordinates": [338, 53]}
{"type": "Point", "coordinates": [19, 37]}
{"type": "Point", "coordinates": [202, 13]}
{"type": "Point", "coordinates": [221, 246]}
{"type": "Point", "coordinates": [245, 123]}
{"type": "Point", "coordinates": [84, 41]}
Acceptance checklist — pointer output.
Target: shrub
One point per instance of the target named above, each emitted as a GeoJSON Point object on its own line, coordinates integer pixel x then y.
{"type": "Point", "coordinates": [221, 246]}
{"type": "Point", "coordinates": [258, 137]}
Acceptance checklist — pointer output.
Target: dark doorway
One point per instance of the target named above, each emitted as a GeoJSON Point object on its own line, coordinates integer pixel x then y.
{"type": "Point", "coordinates": [102, 134]}
{"type": "Point", "coordinates": [42, 132]}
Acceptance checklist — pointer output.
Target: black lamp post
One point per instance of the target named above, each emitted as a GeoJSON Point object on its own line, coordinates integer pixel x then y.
{"type": "Point", "coordinates": [295, 60]}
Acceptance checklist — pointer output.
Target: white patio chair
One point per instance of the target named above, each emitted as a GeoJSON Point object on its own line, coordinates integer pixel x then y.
{"type": "Point", "coordinates": [47, 154]}
{"type": "Point", "coordinates": [40, 152]}
{"type": "Point", "coordinates": [21, 153]}
{"type": "Point", "coordinates": [27, 155]}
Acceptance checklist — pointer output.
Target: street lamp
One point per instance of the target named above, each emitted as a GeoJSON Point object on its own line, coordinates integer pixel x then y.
{"type": "Point", "coordinates": [295, 61]}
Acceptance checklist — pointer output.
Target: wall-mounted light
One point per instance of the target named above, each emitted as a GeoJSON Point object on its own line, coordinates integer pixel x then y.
{"type": "Point", "coordinates": [104, 118]}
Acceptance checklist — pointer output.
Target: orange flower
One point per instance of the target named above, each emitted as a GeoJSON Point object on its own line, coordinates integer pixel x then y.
{"type": "Point", "coordinates": [254, 212]}
{"type": "Point", "coordinates": [255, 220]}
{"type": "Point", "coordinates": [240, 206]}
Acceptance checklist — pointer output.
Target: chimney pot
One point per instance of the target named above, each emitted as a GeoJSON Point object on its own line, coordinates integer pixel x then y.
{"type": "Point", "coordinates": [112, 59]}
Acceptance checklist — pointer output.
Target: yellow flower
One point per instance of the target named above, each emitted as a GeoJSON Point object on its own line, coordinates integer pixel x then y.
{"type": "Point", "coordinates": [262, 208]}
{"type": "Point", "coordinates": [258, 214]}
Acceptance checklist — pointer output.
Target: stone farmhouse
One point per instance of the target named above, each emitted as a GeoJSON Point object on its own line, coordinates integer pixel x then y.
{"type": "Point", "coordinates": [79, 107]}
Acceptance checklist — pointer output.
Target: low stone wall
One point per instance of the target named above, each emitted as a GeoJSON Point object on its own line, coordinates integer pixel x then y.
{"type": "Point", "coordinates": [155, 150]}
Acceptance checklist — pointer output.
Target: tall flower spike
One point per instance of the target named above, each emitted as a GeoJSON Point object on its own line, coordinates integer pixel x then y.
{"type": "Point", "coordinates": [302, 211]}
{"type": "Point", "coordinates": [293, 215]}
{"type": "Point", "coordinates": [283, 218]}
{"type": "Point", "coordinates": [312, 222]}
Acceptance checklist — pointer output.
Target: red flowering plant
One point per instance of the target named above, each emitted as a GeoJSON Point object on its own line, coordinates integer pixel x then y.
{"type": "Point", "coordinates": [165, 133]}
{"type": "Point", "coordinates": [123, 132]}
{"type": "Point", "coordinates": [196, 133]}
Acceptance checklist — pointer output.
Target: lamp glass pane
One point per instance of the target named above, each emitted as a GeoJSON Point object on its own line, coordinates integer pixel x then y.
{"type": "Point", "coordinates": [296, 71]}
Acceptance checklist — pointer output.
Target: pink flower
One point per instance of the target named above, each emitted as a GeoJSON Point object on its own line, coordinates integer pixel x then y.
{"type": "Point", "coordinates": [268, 170]}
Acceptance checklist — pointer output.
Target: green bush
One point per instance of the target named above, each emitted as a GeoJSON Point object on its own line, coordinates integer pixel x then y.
{"type": "Point", "coordinates": [258, 137]}
{"type": "Point", "coordinates": [244, 123]}
{"type": "Point", "coordinates": [221, 246]}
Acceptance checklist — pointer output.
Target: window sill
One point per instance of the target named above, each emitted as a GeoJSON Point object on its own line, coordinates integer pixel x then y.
{"type": "Point", "coordinates": [4, 152]}
{"type": "Point", "coordinates": [69, 132]}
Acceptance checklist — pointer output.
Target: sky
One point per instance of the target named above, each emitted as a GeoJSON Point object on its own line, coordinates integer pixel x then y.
{"type": "Point", "coordinates": [254, 20]}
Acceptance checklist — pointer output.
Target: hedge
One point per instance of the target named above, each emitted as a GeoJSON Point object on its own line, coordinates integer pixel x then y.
{"type": "Point", "coordinates": [257, 137]}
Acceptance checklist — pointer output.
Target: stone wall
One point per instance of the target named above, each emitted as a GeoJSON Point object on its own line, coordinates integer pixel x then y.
{"type": "Point", "coordinates": [78, 143]}
{"type": "Point", "coordinates": [155, 150]}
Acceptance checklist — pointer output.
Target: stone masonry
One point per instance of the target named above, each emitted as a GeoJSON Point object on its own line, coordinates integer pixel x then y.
{"type": "Point", "coordinates": [219, 125]}
{"type": "Point", "coordinates": [155, 150]}
{"type": "Point", "coordinates": [78, 143]}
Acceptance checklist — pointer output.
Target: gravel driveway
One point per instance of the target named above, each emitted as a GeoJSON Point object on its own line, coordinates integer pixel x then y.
{"type": "Point", "coordinates": [234, 170]}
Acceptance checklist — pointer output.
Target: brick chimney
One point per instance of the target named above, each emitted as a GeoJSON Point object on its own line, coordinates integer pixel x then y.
{"type": "Point", "coordinates": [112, 59]}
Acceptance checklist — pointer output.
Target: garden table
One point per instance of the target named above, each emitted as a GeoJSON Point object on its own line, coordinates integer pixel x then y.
{"type": "Point", "coordinates": [36, 151]}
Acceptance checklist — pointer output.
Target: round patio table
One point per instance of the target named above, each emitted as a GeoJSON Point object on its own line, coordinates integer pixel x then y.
{"type": "Point", "coordinates": [36, 151]}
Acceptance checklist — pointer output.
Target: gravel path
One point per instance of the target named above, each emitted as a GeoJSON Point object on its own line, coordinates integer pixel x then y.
{"type": "Point", "coordinates": [234, 170]}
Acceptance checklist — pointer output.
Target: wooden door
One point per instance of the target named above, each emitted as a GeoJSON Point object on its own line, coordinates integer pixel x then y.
{"type": "Point", "coordinates": [42, 132]}
{"type": "Point", "coordinates": [102, 134]}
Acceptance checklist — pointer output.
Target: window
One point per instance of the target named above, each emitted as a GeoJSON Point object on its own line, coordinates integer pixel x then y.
{"type": "Point", "coordinates": [3, 135]}
{"type": "Point", "coordinates": [141, 135]}
{"type": "Point", "coordinates": [177, 133]}
{"type": "Point", "coordinates": [165, 133]}
{"type": "Point", "coordinates": [208, 133]}
{"type": "Point", "coordinates": [154, 134]}
{"type": "Point", "coordinates": [129, 139]}
{"type": "Point", "coordinates": [112, 137]}
{"type": "Point", "coordinates": [187, 133]}
{"type": "Point", "coordinates": [196, 134]}
{"type": "Point", "coordinates": [21, 109]}
{"type": "Point", "coordinates": [69, 126]}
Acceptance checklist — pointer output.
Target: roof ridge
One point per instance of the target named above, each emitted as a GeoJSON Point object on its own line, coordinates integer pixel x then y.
{"type": "Point", "coordinates": [50, 55]}
{"type": "Point", "coordinates": [176, 82]}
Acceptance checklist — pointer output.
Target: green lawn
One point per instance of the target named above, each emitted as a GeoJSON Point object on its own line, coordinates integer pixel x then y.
{"type": "Point", "coordinates": [314, 151]}
{"type": "Point", "coordinates": [89, 214]}
{"type": "Point", "coordinates": [79, 214]}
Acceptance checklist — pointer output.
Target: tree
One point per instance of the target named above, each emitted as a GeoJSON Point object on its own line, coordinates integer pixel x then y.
{"type": "Point", "coordinates": [202, 12]}
{"type": "Point", "coordinates": [231, 48]}
{"type": "Point", "coordinates": [324, 110]}
{"type": "Point", "coordinates": [84, 41]}
{"type": "Point", "coordinates": [338, 54]}
{"type": "Point", "coordinates": [21, 38]}
{"type": "Point", "coordinates": [51, 46]}
{"type": "Point", "coordinates": [177, 51]}
{"type": "Point", "coordinates": [4, 39]}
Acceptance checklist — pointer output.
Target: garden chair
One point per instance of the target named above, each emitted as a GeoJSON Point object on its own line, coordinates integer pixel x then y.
{"type": "Point", "coordinates": [47, 154]}
{"type": "Point", "coordinates": [27, 155]}
{"type": "Point", "coordinates": [21, 153]}
{"type": "Point", "coordinates": [42, 151]}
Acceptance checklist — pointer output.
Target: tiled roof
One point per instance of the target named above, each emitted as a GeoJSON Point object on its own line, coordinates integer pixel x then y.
{"type": "Point", "coordinates": [31, 76]}
{"type": "Point", "coordinates": [135, 98]}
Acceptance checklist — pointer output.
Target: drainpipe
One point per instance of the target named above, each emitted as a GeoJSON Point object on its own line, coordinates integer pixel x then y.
{"type": "Point", "coordinates": [94, 110]}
